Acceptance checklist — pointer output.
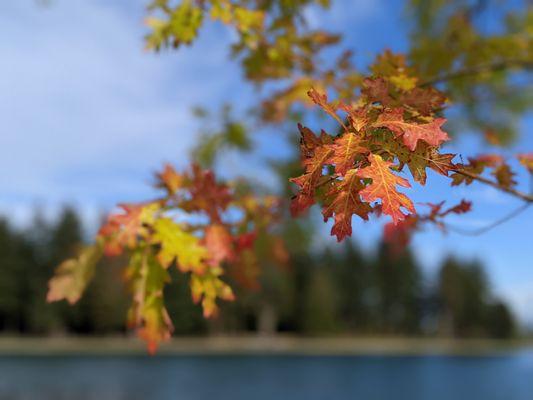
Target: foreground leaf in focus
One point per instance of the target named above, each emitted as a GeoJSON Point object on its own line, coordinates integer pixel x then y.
{"type": "Point", "coordinates": [383, 187]}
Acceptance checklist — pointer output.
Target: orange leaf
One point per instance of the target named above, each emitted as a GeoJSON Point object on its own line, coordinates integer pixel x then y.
{"type": "Point", "coordinates": [321, 100]}
{"type": "Point", "coordinates": [207, 194]}
{"type": "Point", "coordinates": [383, 187]}
{"type": "Point", "coordinates": [123, 229]}
{"type": "Point", "coordinates": [345, 149]}
{"type": "Point", "coordinates": [313, 169]}
{"type": "Point", "coordinates": [377, 90]}
{"type": "Point", "coordinates": [345, 203]}
{"type": "Point", "coordinates": [219, 244]}
{"type": "Point", "coordinates": [170, 179]}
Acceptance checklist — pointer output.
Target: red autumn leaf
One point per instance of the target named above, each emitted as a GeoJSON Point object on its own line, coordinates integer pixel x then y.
{"type": "Point", "coordinates": [315, 152]}
{"type": "Point", "coordinates": [207, 194]}
{"type": "Point", "coordinates": [461, 208]}
{"type": "Point", "coordinates": [344, 202]}
{"type": "Point", "coordinates": [313, 169]}
{"type": "Point", "coordinates": [377, 90]}
{"type": "Point", "coordinates": [441, 163]}
{"type": "Point", "coordinates": [308, 141]}
{"type": "Point", "coordinates": [300, 203]}
{"type": "Point", "coordinates": [412, 132]}
{"type": "Point", "coordinates": [423, 100]}
{"type": "Point", "coordinates": [345, 149]}
{"type": "Point", "coordinates": [357, 116]}
{"type": "Point", "coordinates": [383, 187]}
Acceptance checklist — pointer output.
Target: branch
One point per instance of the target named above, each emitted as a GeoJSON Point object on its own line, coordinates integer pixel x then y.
{"type": "Point", "coordinates": [469, 71]}
{"type": "Point", "coordinates": [524, 196]}
{"type": "Point", "coordinates": [477, 232]}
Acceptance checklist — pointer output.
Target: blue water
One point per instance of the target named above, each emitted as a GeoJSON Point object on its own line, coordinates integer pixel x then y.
{"type": "Point", "coordinates": [268, 377]}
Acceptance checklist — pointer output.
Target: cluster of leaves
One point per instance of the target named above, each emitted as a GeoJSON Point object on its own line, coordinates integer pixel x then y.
{"type": "Point", "coordinates": [394, 125]}
{"type": "Point", "coordinates": [272, 40]}
{"type": "Point", "coordinates": [202, 227]}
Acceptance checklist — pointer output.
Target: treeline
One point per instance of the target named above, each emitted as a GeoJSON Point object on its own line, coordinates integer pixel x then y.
{"type": "Point", "coordinates": [332, 292]}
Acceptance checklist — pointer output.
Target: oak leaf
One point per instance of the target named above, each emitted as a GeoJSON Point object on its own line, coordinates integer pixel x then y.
{"type": "Point", "coordinates": [207, 287]}
{"type": "Point", "coordinates": [343, 202]}
{"type": "Point", "coordinates": [412, 132]}
{"type": "Point", "coordinates": [206, 194]}
{"type": "Point", "coordinates": [178, 245]}
{"type": "Point", "coordinates": [345, 148]}
{"type": "Point", "coordinates": [219, 243]}
{"type": "Point", "coordinates": [170, 179]}
{"type": "Point", "coordinates": [383, 188]}
{"type": "Point", "coordinates": [123, 229]}
{"type": "Point", "coordinates": [72, 276]}
{"type": "Point", "coordinates": [147, 313]}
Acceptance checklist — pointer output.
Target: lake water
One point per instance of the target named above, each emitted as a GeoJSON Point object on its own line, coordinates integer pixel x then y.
{"type": "Point", "coordinates": [291, 377]}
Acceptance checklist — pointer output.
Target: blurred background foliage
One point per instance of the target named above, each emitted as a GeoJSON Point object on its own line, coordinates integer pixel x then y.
{"type": "Point", "coordinates": [329, 291]}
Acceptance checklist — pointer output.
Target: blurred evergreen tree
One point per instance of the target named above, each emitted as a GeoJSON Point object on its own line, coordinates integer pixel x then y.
{"type": "Point", "coordinates": [353, 279]}
{"type": "Point", "coordinates": [16, 260]}
{"type": "Point", "coordinates": [500, 322]}
{"type": "Point", "coordinates": [321, 298]}
{"type": "Point", "coordinates": [465, 306]}
{"type": "Point", "coordinates": [186, 316]}
{"type": "Point", "coordinates": [398, 281]}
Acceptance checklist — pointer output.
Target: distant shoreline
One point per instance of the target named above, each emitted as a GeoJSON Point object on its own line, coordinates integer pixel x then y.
{"type": "Point", "coordinates": [261, 345]}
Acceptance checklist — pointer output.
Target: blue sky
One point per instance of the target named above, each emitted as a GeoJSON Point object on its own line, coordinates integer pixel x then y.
{"type": "Point", "coordinates": [87, 115]}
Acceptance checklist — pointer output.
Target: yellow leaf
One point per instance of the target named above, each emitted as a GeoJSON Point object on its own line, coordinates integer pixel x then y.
{"type": "Point", "coordinates": [177, 244]}
{"type": "Point", "coordinates": [72, 276]}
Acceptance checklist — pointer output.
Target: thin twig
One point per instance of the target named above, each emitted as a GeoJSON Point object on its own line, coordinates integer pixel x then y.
{"type": "Point", "coordinates": [480, 231]}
